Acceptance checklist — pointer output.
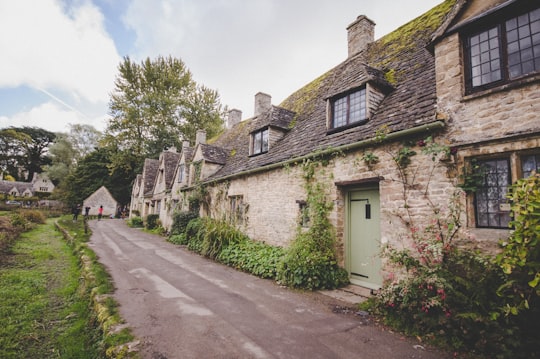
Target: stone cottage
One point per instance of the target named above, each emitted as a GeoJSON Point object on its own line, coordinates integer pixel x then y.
{"type": "Point", "coordinates": [101, 197]}
{"type": "Point", "coordinates": [40, 183]}
{"type": "Point", "coordinates": [393, 130]}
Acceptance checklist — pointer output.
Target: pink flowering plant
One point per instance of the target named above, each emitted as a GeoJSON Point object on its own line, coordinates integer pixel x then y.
{"type": "Point", "coordinates": [419, 290]}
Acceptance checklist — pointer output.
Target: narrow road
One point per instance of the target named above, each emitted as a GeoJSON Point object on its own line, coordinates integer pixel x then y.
{"type": "Point", "coordinates": [182, 305]}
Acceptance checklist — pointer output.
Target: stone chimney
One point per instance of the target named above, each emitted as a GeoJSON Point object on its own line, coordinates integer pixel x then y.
{"type": "Point", "coordinates": [263, 103]}
{"type": "Point", "coordinates": [360, 34]}
{"type": "Point", "coordinates": [200, 137]}
{"type": "Point", "coordinates": [185, 144]}
{"type": "Point", "coordinates": [235, 116]}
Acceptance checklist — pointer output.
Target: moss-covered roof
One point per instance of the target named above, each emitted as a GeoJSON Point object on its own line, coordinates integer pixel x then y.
{"type": "Point", "coordinates": [399, 64]}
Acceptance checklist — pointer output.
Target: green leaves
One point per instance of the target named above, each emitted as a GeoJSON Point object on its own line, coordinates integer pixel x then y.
{"type": "Point", "coordinates": [520, 256]}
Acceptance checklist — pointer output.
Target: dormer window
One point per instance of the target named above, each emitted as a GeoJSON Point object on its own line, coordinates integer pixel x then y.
{"type": "Point", "coordinates": [259, 141]}
{"type": "Point", "coordinates": [349, 110]}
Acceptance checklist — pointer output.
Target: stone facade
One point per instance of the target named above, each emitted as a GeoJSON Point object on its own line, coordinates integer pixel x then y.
{"type": "Point", "coordinates": [422, 128]}
{"type": "Point", "coordinates": [101, 197]}
{"type": "Point", "coordinates": [502, 121]}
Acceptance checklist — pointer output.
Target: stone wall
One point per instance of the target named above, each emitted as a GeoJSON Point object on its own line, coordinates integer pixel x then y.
{"type": "Point", "coordinates": [272, 197]}
{"type": "Point", "coordinates": [491, 114]}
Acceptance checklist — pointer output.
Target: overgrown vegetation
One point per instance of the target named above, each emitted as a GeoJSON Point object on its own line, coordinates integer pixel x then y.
{"type": "Point", "coordinates": [135, 222]}
{"type": "Point", "coordinates": [455, 296]}
{"type": "Point", "coordinates": [43, 312]}
{"type": "Point", "coordinates": [310, 262]}
{"type": "Point", "coordinates": [223, 242]}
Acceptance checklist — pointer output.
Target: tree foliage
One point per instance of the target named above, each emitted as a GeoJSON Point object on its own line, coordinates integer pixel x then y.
{"type": "Point", "coordinates": [23, 151]}
{"type": "Point", "coordinates": [68, 149]}
{"type": "Point", "coordinates": [156, 105]}
{"type": "Point", "coordinates": [91, 173]}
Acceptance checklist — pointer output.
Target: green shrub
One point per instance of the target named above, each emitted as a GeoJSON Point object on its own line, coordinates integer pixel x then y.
{"type": "Point", "coordinates": [194, 235]}
{"type": "Point", "coordinates": [178, 239]}
{"type": "Point", "coordinates": [8, 233]}
{"type": "Point", "coordinates": [307, 267]}
{"type": "Point", "coordinates": [310, 262]}
{"type": "Point", "coordinates": [180, 221]}
{"type": "Point", "coordinates": [34, 216]}
{"type": "Point", "coordinates": [520, 258]}
{"type": "Point", "coordinates": [152, 221]}
{"type": "Point", "coordinates": [17, 220]}
{"type": "Point", "coordinates": [135, 222]}
{"type": "Point", "coordinates": [217, 235]}
{"type": "Point", "coordinates": [253, 257]}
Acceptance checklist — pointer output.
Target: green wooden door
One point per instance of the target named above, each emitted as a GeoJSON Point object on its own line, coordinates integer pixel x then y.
{"type": "Point", "coordinates": [364, 238]}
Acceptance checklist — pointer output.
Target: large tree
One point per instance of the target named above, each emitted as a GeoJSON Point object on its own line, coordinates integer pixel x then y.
{"type": "Point", "coordinates": [156, 105]}
{"type": "Point", "coordinates": [68, 149]}
{"type": "Point", "coordinates": [24, 151]}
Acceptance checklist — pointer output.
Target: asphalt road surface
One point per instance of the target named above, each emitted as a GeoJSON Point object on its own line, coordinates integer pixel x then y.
{"type": "Point", "coordinates": [182, 305]}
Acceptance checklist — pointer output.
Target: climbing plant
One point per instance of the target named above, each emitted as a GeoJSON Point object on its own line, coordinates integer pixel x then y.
{"type": "Point", "coordinates": [311, 262]}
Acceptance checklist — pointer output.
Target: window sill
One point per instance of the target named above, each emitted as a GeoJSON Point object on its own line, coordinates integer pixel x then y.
{"type": "Point", "coordinates": [258, 154]}
{"type": "Point", "coordinates": [343, 128]}
{"type": "Point", "coordinates": [526, 80]}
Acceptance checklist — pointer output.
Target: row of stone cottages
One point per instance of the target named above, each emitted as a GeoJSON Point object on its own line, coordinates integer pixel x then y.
{"type": "Point", "coordinates": [466, 74]}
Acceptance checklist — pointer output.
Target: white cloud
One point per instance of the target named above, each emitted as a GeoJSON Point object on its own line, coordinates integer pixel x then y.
{"type": "Point", "coordinates": [52, 117]}
{"type": "Point", "coordinates": [242, 47]}
{"type": "Point", "coordinates": [43, 47]}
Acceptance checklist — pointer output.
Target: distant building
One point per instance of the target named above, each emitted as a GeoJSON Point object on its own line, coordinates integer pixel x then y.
{"type": "Point", "coordinates": [40, 183]}
{"type": "Point", "coordinates": [101, 197]}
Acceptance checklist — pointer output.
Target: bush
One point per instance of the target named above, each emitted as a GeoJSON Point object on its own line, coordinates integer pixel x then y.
{"type": "Point", "coordinates": [178, 239]}
{"type": "Point", "coordinates": [8, 233]}
{"type": "Point", "coordinates": [307, 267]}
{"type": "Point", "coordinates": [135, 222]}
{"type": "Point", "coordinates": [180, 221]}
{"type": "Point", "coordinates": [34, 216]}
{"type": "Point", "coordinates": [253, 257]}
{"type": "Point", "coordinates": [20, 222]}
{"type": "Point", "coordinates": [152, 221]}
{"type": "Point", "coordinates": [520, 258]}
{"type": "Point", "coordinates": [449, 294]}
{"type": "Point", "coordinates": [216, 236]}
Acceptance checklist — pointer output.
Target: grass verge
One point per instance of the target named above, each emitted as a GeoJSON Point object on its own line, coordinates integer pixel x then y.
{"type": "Point", "coordinates": [43, 312]}
{"type": "Point", "coordinates": [55, 298]}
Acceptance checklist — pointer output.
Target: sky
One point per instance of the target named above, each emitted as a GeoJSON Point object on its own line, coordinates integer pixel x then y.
{"type": "Point", "coordinates": [59, 58]}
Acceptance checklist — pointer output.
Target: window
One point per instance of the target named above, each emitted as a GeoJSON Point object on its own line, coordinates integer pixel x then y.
{"type": "Point", "coordinates": [491, 202]}
{"type": "Point", "coordinates": [530, 164]}
{"type": "Point", "coordinates": [504, 51]}
{"type": "Point", "coordinates": [181, 173]}
{"type": "Point", "coordinates": [349, 109]}
{"type": "Point", "coordinates": [260, 142]}
{"type": "Point", "coordinates": [237, 209]}
{"type": "Point", "coordinates": [304, 219]}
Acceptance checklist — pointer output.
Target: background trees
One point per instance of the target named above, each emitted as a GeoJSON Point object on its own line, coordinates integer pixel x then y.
{"type": "Point", "coordinates": [23, 151]}
{"type": "Point", "coordinates": [156, 105]}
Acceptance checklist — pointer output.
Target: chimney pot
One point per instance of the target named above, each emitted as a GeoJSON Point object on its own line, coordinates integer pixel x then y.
{"type": "Point", "coordinates": [360, 34]}
{"type": "Point", "coordinates": [185, 144]}
{"type": "Point", "coordinates": [263, 103]}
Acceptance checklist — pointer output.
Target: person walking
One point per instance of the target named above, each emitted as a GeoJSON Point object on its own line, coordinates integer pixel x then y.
{"type": "Point", "coordinates": [75, 211]}
{"type": "Point", "coordinates": [100, 213]}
